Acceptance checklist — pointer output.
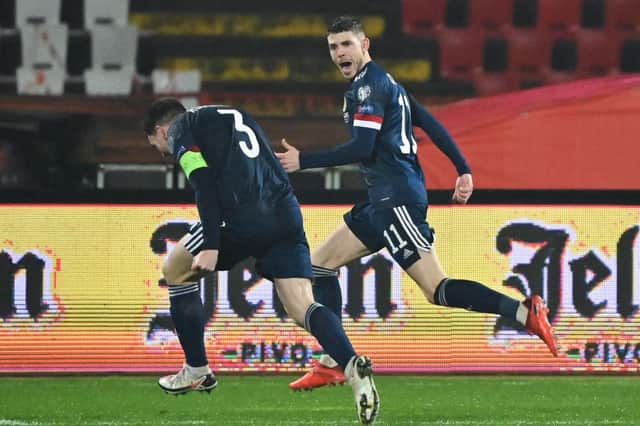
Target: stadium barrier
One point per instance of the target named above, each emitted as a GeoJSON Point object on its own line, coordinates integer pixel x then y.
{"type": "Point", "coordinates": [81, 291]}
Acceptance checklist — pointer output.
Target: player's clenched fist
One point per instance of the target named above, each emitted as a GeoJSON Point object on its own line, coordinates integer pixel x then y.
{"type": "Point", "coordinates": [464, 188]}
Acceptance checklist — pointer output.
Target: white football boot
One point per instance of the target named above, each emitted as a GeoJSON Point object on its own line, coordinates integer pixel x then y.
{"type": "Point", "coordinates": [189, 379]}
{"type": "Point", "coordinates": [359, 374]}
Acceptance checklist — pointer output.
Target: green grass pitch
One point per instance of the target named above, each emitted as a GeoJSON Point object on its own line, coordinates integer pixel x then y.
{"type": "Point", "coordinates": [266, 400]}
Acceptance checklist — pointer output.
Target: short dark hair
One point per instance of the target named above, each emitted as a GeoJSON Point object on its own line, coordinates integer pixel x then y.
{"type": "Point", "coordinates": [161, 111]}
{"type": "Point", "coordinates": [345, 23]}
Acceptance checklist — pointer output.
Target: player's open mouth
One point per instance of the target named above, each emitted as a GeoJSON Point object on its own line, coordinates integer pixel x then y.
{"type": "Point", "coordinates": [344, 66]}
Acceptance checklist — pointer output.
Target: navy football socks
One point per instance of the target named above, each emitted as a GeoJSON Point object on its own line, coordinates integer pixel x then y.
{"type": "Point", "coordinates": [326, 289]}
{"type": "Point", "coordinates": [474, 296]}
{"type": "Point", "coordinates": [325, 326]}
{"type": "Point", "coordinates": [187, 314]}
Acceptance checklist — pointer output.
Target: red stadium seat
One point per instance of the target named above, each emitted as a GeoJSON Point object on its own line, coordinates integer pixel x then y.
{"type": "Point", "coordinates": [460, 53]}
{"type": "Point", "coordinates": [564, 60]}
{"type": "Point", "coordinates": [559, 14]}
{"type": "Point", "coordinates": [491, 14]}
{"type": "Point", "coordinates": [422, 18]}
{"type": "Point", "coordinates": [529, 50]}
{"type": "Point", "coordinates": [598, 52]}
{"type": "Point", "coordinates": [564, 54]}
{"type": "Point", "coordinates": [623, 14]}
{"type": "Point", "coordinates": [630, 54]}
{"type": "Point", "coordinates": [529, 56]}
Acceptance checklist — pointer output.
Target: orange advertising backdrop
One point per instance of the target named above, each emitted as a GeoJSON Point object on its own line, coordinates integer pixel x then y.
{"type": "Point", "coordinates": [81, 290]}
{"type": "Point", "coordinates": [579, 135]}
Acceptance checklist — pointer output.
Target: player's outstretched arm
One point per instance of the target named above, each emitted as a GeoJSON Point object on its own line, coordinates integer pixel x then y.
{"type": "Point", "coordinates": [359, 148]}
{"type": "Point", "coordinates": [439, 135]}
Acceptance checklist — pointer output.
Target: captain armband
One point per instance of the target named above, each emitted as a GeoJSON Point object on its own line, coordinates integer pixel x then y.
{"type": "Point", "coordinates": [191, 161]}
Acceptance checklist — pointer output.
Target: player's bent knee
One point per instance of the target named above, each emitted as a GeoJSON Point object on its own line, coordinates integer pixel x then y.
{"type": "Point", "coordinates": [167, 273]}
{"type": "Point", "coordinates": [176, 269]}
{"type": "Point", "coordinates": [171, 275]}
{"type": "Point", "coordinates": [178, 274]}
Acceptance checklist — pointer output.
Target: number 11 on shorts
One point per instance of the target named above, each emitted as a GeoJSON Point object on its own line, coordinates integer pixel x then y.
{"type": "Point", "coordinates": [401, 242]}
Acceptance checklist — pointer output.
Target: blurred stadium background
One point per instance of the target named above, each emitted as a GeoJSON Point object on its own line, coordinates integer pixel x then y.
{"type": "Point", "coordinates": [543, 96]}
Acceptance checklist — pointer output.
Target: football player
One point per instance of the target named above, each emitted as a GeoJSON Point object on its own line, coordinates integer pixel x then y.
{"type": "Point", "coordinates": [246, 208]}
{"type": "Point", "coordinates": [380, 115]}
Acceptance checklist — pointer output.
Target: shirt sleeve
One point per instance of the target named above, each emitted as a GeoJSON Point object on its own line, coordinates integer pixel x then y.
{"type": "Point", "coordinates": [208, 207]}
{"type": "Point", "coordinates": [202, 181]}
{"type": "Point", "coordinates": [359, 148]}
{"type": "Point", "coordinates": [439, 135]}
{"type": "Point", "coordinates": [367, 121]}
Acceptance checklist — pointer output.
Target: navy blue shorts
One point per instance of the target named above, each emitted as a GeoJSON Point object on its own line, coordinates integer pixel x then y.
{"type": "Point", "coordinates": [403, 230]}
{"type": "Point", "coordinates": [275, 238]}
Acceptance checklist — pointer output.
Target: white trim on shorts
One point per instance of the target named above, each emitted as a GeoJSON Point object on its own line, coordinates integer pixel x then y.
{"type": "Point", "coordinates": [411, 229]}
{"type": "Point", "coordinates": [196, 240]}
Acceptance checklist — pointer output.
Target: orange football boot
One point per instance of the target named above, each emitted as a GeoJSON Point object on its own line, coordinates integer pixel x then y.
{"type": "Point", "coordinates": [538, 322]}
{"type": "Point", "coordinates": [320, 375]}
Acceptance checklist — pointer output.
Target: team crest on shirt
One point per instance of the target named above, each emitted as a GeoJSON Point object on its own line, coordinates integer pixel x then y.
{"type": "Point", "coordinates": [363, 93]}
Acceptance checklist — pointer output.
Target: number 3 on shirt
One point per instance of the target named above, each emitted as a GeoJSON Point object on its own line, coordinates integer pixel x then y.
{"type": "Point", "coordinates": [409, 146]}
{"type": "Point", "coordinates": [252, 149]}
